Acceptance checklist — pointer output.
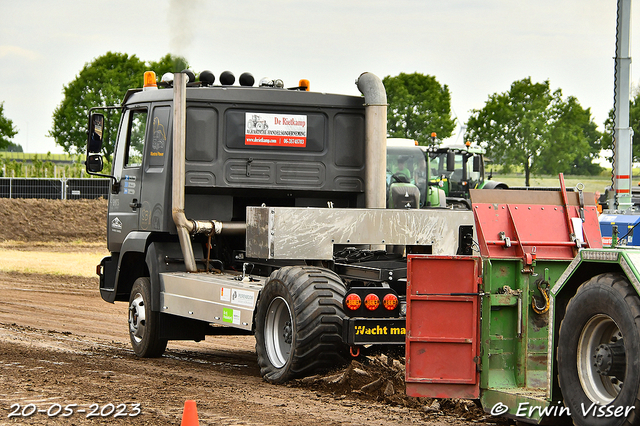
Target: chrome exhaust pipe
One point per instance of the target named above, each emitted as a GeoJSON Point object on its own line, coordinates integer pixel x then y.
{"type": "Point", "coordinates": [375, 98]}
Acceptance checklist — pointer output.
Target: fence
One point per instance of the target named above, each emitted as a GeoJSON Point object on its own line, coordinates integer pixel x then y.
{"type": "Point", "coordinates": [61, 189]}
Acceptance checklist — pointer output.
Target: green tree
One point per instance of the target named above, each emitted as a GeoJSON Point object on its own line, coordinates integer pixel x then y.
{"type": "Point", "coordinates": [634, 122]}
{"type": "Point", "coordinates": [102, 82]}
{"type": "Point", "coordinates": [573, 140]}
{"type": "Point", "coordinates": [418, 106]}
{"type": "Point", "coordinates": [12, 147]}
{"type": "Point", "coordinates": [532, 127]}
{"type": "Point", "coordinates": [7, 129]}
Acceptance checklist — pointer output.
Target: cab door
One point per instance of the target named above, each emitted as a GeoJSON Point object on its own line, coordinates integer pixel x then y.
{"type": "Point", "coordinates": [155, 209]}
{"type": "Point", "coordinates": [124, 201]}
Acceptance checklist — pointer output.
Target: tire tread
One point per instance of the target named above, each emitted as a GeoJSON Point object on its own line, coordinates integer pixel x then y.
{"type": "Point", "coordinates": [317, 304]}
{"type": "Point", "coordinates": [618, 283]}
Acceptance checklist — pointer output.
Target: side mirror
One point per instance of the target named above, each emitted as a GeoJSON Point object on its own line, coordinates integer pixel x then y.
{"type": "Point", "coordinates": [94, 163]}
{"type": "Point", "coordinates": [451, 161]}
{"type": "Point", "coordinates": [96, 128]}
{"type": "Point", "coordinates": [476, 163]}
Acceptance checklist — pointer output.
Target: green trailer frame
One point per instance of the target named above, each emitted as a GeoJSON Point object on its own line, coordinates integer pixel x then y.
{"type": "Point", "coordinates": [537, 250]}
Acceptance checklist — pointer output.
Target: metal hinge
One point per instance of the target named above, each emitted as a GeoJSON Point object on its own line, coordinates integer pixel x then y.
{"type": "Point", "coordinates": [478, 362]}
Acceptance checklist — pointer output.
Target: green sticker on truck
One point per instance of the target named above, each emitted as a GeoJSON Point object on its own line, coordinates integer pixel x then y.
{"type": "Point", "coordinates": [231, 316]}
{"type": "Point", "coordinates": [227, 315]}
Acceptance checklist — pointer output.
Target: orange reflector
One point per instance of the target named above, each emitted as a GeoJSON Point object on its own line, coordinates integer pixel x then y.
{"type": "Point", "coordinates": [434, 134]}
{"type": "Point", "coordinates": [371, 302]}
{"type": "Point", "coordinates": [304, 83]}
{"type": "Point", "coordinates": [150, 79]}
{"type": "Point", "coordinates": [353, 301]}
{"type": "Point", "coordinates": [390, 302]}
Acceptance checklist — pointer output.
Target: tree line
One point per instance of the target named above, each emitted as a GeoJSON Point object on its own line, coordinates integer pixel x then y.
{"type": "Point", "coordinates": [528, 126]}
{"type": "Point", "coordinates": [42, 166]}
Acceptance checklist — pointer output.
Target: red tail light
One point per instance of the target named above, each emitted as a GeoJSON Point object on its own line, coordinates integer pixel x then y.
{"type": "Point", "coordinates": [353, 301]}
{"type": "Point", "coordinates": [371, 302]}
{"type": "Point", "coordinates": [390, 302]}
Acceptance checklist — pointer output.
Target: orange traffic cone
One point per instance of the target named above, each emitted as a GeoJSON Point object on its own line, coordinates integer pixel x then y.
{"type": "Point", "coordinates": [190, 414]}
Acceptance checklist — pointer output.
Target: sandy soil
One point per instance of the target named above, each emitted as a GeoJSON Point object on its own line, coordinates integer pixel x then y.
{"type": "Point", "coordinates": [33, 220]}
{"type": "Point", "coordinates": [61, 345]}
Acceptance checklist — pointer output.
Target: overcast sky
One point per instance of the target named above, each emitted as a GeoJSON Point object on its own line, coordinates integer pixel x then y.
{"type": "Point", "coordinates": [475, 47]}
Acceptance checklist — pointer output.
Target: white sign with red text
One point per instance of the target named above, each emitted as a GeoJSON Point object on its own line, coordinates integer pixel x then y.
{"type": "Point", "coordinates": [275, 129]}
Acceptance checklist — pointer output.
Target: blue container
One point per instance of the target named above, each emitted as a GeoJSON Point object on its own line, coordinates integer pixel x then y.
{"type": "Point", "coordinates": [625, 223]}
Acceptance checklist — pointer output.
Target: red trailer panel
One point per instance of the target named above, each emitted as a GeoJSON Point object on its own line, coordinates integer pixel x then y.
{"type": "Point", "coordinates": [443, 309]}
{"type": "Point", "coordinates": [548, 225]}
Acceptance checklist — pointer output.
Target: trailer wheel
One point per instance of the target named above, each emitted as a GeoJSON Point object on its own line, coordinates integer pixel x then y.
{"type": "Point", "coordinates": [598, 347]}
{"type": "Point", "coordinates": [299, 323]}
{"type": "Point", "coordinates": [143, 322]}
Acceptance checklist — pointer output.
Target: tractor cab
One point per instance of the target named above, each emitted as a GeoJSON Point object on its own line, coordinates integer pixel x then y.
{"type": "Point", "coordinates": [408, 179]}
{"type": "Point", "coordinates": [458, 167]}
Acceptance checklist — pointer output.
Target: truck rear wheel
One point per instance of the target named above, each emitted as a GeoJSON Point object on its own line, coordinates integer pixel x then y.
{"type": "Point", "coordinates": [143, 322]}
{"type": "Point", "coordinates": [299, 323]}
{"type": "Point", "coordinates": [598, 347]}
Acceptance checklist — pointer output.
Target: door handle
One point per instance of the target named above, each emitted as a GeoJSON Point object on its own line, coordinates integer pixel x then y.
{"type": "Point", "coordinates": [135, 204]}
{"type": "Point", "coordinates": [249, 161]}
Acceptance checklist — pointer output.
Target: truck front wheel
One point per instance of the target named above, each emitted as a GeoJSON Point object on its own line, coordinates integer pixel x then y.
{"type": "Point", "coordinates": [598, 347]}
{"type": "Point", "coordinates": [143, 322]}
{"type": "Point", "coordinates": [299, 323]}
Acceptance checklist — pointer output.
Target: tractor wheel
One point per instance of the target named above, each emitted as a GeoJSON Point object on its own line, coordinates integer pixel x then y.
{"type": "Point", "coordinates": [598, 347]}
{"type": "Point", "coordinates": [143, 322]}
{"type": "Point", "coordinates": [299, 323]}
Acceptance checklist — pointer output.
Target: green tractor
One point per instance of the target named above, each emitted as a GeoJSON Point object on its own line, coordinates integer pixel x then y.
{"type": "Point", "coordinates": [457, 169]}
{"type": "Point", "coordinates": [409, 183]}
{"type": "Point", "coordinates": [434, 176]}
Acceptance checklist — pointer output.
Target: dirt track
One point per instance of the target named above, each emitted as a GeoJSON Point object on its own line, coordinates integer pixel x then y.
{"type": "Point", "coordinates": [61, 344]}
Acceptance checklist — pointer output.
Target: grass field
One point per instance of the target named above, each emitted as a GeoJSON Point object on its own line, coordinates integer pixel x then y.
{"type": "Point", "coordinates": [51, 258]}
{"type": "Point", "coordinates": [591, 183]}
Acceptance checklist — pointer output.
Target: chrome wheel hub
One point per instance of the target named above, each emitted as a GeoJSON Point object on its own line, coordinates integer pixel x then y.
{"type": "Point", "coordinates": [601, 359]}
{"type": "Point", "coordinates": [137, 318]}
{"type": "Point", "coordinates": [278, 332]}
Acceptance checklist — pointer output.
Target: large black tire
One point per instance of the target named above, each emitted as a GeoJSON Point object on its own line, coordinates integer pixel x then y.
{"type": "Point", "coordinates": [299, 323]}
{"type": "Point", "coordinates": [492, 184]}
{"type": "Point", "coordinates": [143, 322]}
{"type": "Point", "coordinates": [591, 367]}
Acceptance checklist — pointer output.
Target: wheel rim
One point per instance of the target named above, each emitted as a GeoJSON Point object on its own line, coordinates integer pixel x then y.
{"type": "Point", "coordinates": [137, 318]}
{"type": "Point", "coordinates": [600, 331]}
{"type": "Point", "coordinates": [278, 332]}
